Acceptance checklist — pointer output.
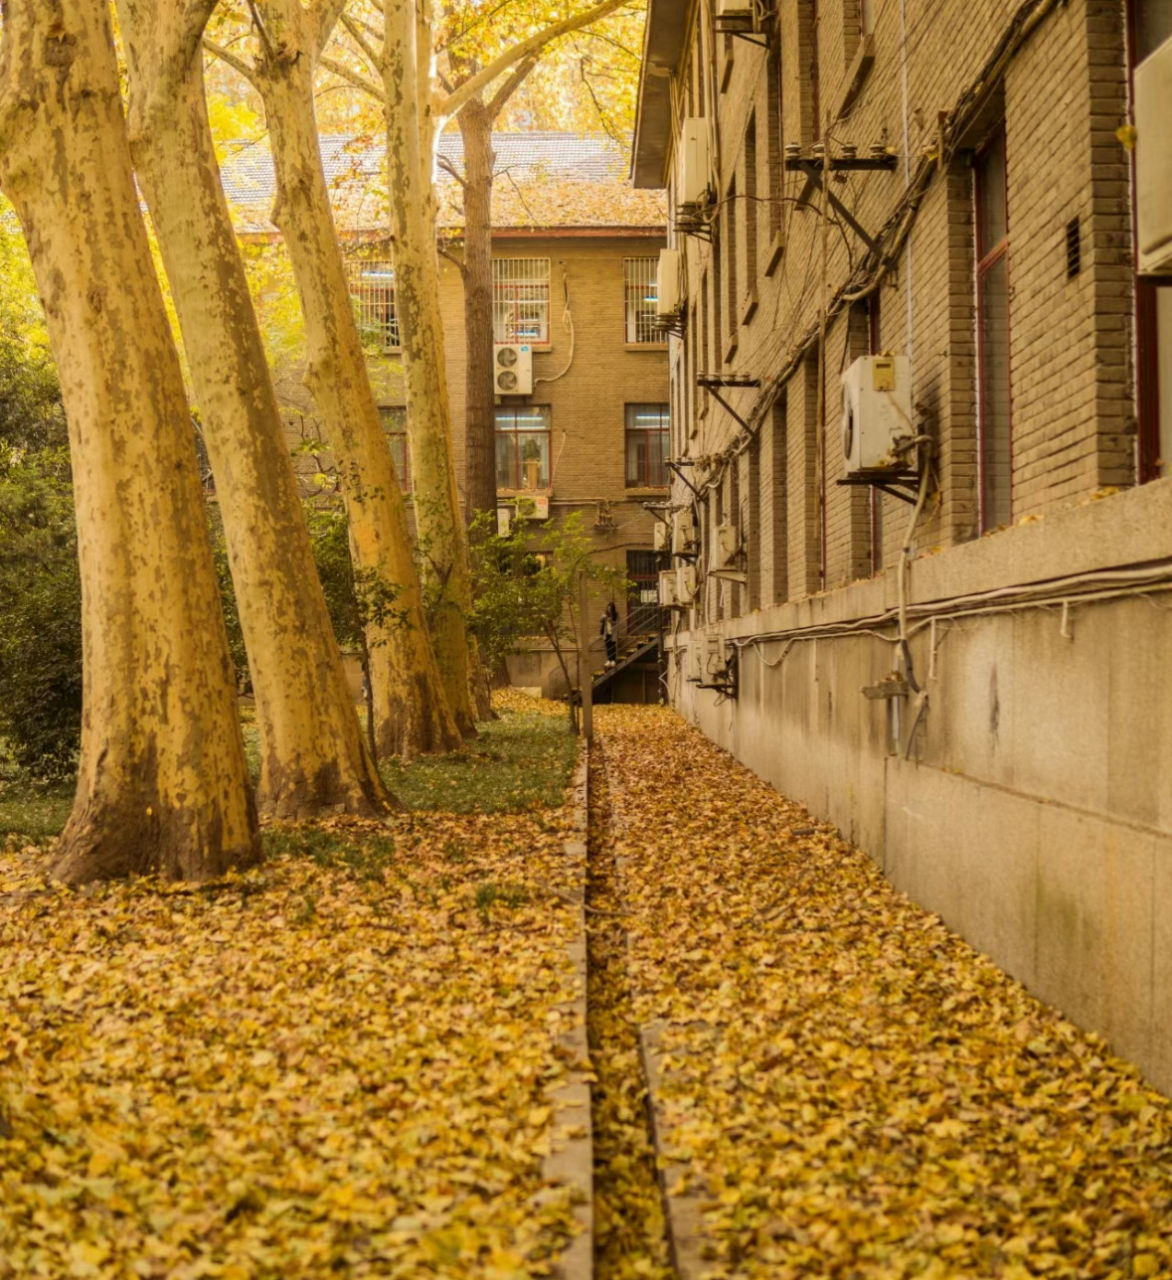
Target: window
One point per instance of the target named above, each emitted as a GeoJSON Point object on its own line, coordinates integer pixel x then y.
{"type": "Point", "coordinates": [520, 299]}
{"type": "Point", "coordinates": [372, 283]}
{"type": "Point", "coordinates": [640, 292]}
{"type": "Point", "coordinates": [993, 386]}
{"type": "Point", "coordinates": [394, 419]}
{"type": "Point", "coordinates": [522, 447]}
{"type": "Point", "coordinates": [648, 445]}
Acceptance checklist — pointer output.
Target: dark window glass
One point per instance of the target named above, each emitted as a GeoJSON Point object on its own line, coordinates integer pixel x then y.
{"type": "Point", "coordinates": [372, 283]}
{"type": "Point", "coordinates": [648, 445]}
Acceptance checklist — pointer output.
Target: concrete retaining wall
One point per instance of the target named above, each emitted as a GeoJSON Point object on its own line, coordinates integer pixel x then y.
{"type": "Point", "coordinates": [1035, 811]}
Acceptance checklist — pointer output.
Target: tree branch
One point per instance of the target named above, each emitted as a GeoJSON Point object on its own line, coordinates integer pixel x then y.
{"type": "Point", "coordinates": [359, 37]}
{"type": "Point", "coordinates": [325, 18]}
{"type": "Point", "coordinates": [529, 46]}
{"type": "Point", "coordinates": [449, 168]}
{"type": "Point", "coordinates": [510, 86]}
{"type": "Point", "coordinates": [355, 78]}
{"type": "Point", "coordinates": [192, 23]}
{"type": "Point", "coordinates": [260, 30]}
{"type": "Point", "coordinates": [229, 59]}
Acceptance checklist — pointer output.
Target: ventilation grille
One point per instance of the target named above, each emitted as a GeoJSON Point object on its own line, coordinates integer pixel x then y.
{"type": "Point", "coordinates": [1073, 248]}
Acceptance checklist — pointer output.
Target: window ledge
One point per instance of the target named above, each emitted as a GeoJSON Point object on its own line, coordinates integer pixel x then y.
{"type": "Point", "coordinates": [645, 346]}
{"type": "Point", "coordinates": [860, 66]}
{"type": "Point", "coordinates": [545, 492]}
{"type": "Point", "coordinates": [730, 350]}
{"type": "Point", "coordinates": [749, 304]}
{"type": "Point", "coordinates": [647, 491]}
{"type": "Point", "coordinates": [776, 249]}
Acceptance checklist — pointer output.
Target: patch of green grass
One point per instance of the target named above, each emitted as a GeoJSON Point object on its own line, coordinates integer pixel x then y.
{"type": "Point", "coordinates": [489, 895]}
{"type": "Point", "coordinates": [33, 808]}
{"type": "Point", "coordinates": [366, 856]}
{"type": "Point", "coordinates": [521, 761]}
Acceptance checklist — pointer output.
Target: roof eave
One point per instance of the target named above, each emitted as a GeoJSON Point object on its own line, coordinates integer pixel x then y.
{"type": "Point", "coordinates": [663, 47]}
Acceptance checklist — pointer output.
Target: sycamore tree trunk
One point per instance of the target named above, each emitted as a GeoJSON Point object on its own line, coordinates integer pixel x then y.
{"type": "Point", "coordinates": [440, 524]}
{"type": "Point", "coordinates": [413, 713]}
{"type": "Point", "coordinates": [162, 783]}
{"type": "Point", "coordinates": [475, 121]}
{"type": "Point", "coordinates": [314, 761]}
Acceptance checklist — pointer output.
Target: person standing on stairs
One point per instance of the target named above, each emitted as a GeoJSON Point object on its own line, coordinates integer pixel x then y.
{"type": "Point", "coordinates": [609, 630]}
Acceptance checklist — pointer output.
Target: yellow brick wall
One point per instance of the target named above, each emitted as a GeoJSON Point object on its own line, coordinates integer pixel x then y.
{"type": "Point", "coordinates": [1062, 96]}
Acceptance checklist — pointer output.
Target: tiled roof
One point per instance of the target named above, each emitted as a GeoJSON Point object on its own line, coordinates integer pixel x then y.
{"type": "Point", "coordinates": [544, 180]}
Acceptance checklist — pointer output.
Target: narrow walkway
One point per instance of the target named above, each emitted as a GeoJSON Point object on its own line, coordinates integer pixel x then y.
{"type": "Point", "coordinates": [842, 1088]}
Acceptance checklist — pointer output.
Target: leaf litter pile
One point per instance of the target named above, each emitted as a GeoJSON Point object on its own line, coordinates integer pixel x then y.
{"type": "Point", "coordinates": [849, 1091]}
{"type": "Point", "coordinates": [336, 1064]}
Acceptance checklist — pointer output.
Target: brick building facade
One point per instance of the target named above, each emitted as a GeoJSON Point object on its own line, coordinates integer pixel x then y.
{"type": "Point", "coordinates": [988, 713]}
{"type": "Point", "coordinates": [575, 254]}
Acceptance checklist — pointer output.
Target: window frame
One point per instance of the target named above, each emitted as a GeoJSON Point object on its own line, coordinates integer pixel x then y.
{"type": "Point", "coordinates": [508, 296]}
{"type": "Point", "coordinates": [387, 327]}
{"type": "Point", "coordinates": [639, 324]}
{"type": "Point", "coordinates": [645, 478]}
{"type": "Point", "coordinates": [986, 260]}
{"type": "Point", "coordinates": [502, 411]}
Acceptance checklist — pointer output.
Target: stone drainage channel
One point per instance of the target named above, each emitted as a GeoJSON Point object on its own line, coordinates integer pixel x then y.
{"type": "Point", "coordinates": [628, 1228]}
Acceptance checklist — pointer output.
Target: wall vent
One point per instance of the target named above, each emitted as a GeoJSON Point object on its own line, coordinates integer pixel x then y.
{"type": "Point", "coordinates": [1073, 248]}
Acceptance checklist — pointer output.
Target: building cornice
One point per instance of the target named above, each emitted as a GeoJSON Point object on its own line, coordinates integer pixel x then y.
{"type": "Point", "coordinates": [663, 47]}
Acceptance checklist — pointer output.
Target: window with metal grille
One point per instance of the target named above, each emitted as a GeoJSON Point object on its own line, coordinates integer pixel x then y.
{"type": "Point", "coordinates": [522, 447]}
{"type": "Point", "coordinates": [520, 299]}
{"type": "Point", "coordinates": [641, 292]}
{"type": "Point", "coordinates": [372, 283]}
{"type": "Point", "coordinates": [394, 418]}
{"type": "Point", "coordinates": [648, 445]}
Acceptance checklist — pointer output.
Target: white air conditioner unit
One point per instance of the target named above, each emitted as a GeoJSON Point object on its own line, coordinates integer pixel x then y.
{"type": "Point", "coordinates": [715, 657]}
{"type": "Point", "coordinates": [695, 164]}
{"type": "Point", "coordinates": [725, 546]}
{"type": "Point", "coordinates": [696, 663]}
{"type": "Point", "coordinates": [731, 13]}
{"type": "Point", "coordinates": [512, 368]}
{"type": "Point", "coordinates": [876, 413]}
{"type": "Point", "coordinates": [662, 535]}
{"type": "Point", "coordinates": [533, 506]}
{"type": "Point", "coordinates": [668, 595]}
{"type": "Point", "coordinates": [668, 298]}
{"type": "Point", "coordinates": [683, 532]}
{"type": "Point", "coordinates": [686, 583]}
{"type": "Point", "coordinates": [504, 521]}
{"type": "Point", "coordinates": [1153, 162]}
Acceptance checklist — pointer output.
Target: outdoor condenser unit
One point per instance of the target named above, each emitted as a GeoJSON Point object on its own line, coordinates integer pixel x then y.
{"type": "Point", "coordinates": [1153, 161]}
{"type": "Point", "coordinates": [667, 298]}
{"type": "Point", "coordinates": [686, 583]}
{"type": "Point", "coordinates": [695, 165]}
{"type": "Point", "coordinates": [683, 532]}
{"type": "Point", "coordinates": [668, 596]}
{"type": "Point", "coordinates": [512, 368]}
{"type": "Point", "coordinates": [876, 413]}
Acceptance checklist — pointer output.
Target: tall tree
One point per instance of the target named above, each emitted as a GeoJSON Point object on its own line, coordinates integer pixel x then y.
{"type": "Point", "coordinates": [162, 783]}
{"type": "Point", "coordinates": [313, 757]}
{"type": "Point", "coordinates": [414, 707]}
{"type": "Point", "coordinates": [488, 58]}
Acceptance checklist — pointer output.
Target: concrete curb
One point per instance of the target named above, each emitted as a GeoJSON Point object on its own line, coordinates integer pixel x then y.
{"type": "Point", "coordinates": [681, 1213]}
{"type": "Point", "coordinates": [684, 1219]}
{"type": "Point", "coordinates": [571, 1161]}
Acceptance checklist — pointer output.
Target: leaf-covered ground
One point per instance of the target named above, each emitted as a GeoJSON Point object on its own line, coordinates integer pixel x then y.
{"type": "Point", "coordinates": [335, 1065]}
{"type": "Point", "coordinates": [850, 1090]}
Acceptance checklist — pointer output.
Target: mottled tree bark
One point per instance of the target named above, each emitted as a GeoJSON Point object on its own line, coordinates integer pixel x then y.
{"type": "Point", "coordinates": [162, 784]}
{"type": "Point", "coordinates": [413, 713]}
{"type": "Point", "coordinates": [440, 524]}
{"type": "Point", "coordinates": [475, 121]}
{"type": "Point", "coordinates": [314, 761]}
